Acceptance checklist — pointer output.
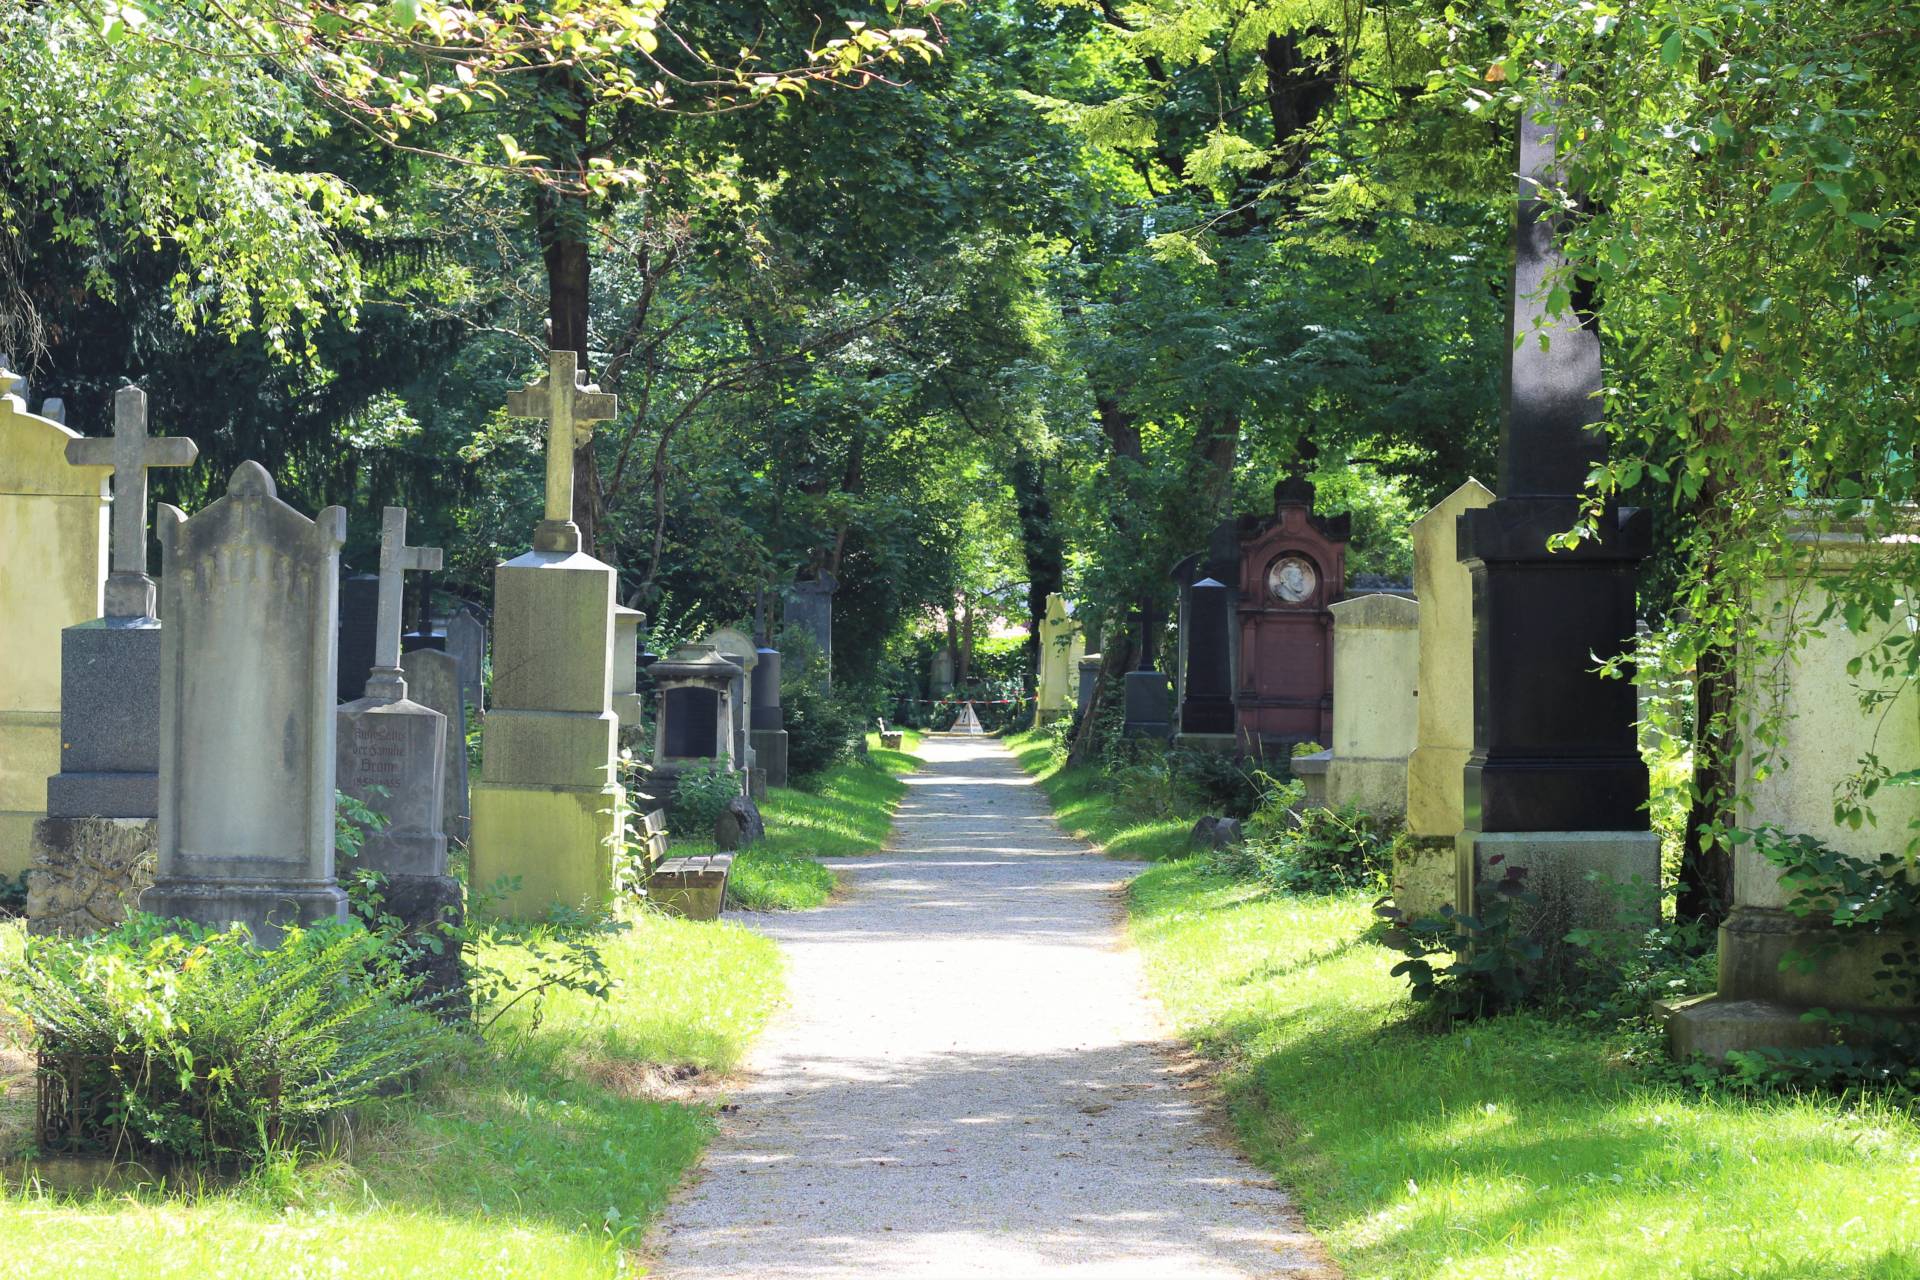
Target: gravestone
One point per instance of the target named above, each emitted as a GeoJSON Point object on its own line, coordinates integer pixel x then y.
{"type": "Point", "coordinates": [1292, 567]}
{"type": "Point", "coordinates": [359, 623]}
{"type": "Point", "coordinates": [940, 677]}
{"type": "Point", "coordinates": [249, 591]}
{"type": "Point", "coordinates": [93, 854]}
{"type": "Point", "coordinates": [1775, 966]}
{"type": "Point", "coordinates": [769, 723]}
{"type": "Point", "coordinates": [810, 613]}
{"type": "Point", "coordinates": [433, 680]}
{"type": "Point", "coordinates": [548, 806]}
{"type": "Point", "coordinates": [1555, 783]}
{"type": "Point", "coordinates": [694, 726]}
{"type": "Point", "coordinates": [392, 758]}
{"type": "Point", "coordinates": [1089, 679]}
{"type": "Point", "coordinates": [467, 642]}
{"type": "Point", "coordinates": [739, 649]}
{"type": "Point", "coordinates": [1423, 868]}
{"type": "Point", "coordinates": [626, 665]}
{"type": "Point", "coordinates": [1147, 701]}
{"type": "Point", "coordinates": [1061, 648]}
{"type": "Point", "coordinates": [53, 527]}
{"type": "Point", "coordinates": [1376, 661]}
{"type": "Point", "coordinates": [1207, 717]}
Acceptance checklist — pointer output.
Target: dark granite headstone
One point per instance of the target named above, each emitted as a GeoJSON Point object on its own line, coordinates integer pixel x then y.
{"type": "Point", "coordinates": [1206, 704]}
{"type": "Point", "coordinates": [692, 722]}
{"type": "Point", "coordinates": [359, 623]}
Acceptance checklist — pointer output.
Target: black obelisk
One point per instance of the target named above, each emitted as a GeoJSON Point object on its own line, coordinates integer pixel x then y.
{"type": "Point", "coordinates": [1555, 749]}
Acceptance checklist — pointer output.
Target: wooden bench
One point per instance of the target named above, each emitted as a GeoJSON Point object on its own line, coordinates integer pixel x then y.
{"type": "Point", "coordinates": [889, 738]}
{"type": "Point", "coordinates": [692, 888]}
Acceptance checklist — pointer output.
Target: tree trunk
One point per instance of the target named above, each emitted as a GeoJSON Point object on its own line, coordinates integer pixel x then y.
{"type": "Point", "coordinates": [1044, 551]}
{"type": "Point", "coordinates": [562, 225]}
{"type": "Point", "coordinates": [1705, 889]}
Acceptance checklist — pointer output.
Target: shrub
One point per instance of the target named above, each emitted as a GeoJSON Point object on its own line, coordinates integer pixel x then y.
{"type": "Point", "coordinates": [1491, 965]}
{"type": "Point", "coordinates": [1309, 850]}
{"type": "Point", "coordinates": [1214, 782]}
{"type": "Point", "coordinates": [164, 1037]}
{"type": "Point", "coordinates": [700, 795]}
{"type": "Point", "coordinates": [820, 731]}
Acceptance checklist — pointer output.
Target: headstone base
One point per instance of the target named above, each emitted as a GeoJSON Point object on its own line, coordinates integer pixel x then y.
{"type": "Point", "coordinates": [757, 785]}
{"type": "Point", "coordinates": [1148, 706]}
{"type": "Point", "coordinates": [1560, 867]}
{"type": "Point", "coordinates": [1377, 785]}
{"type": "Point", "coordinates": [770, 747]}
{"type": "Point", "coordinates": [1424, 879]}
{"type": "Point", "coordinates": [556, 841]}
{"type": "Point", "coordinates": [110, 721]}
{"type": "Point", "coordinates": [421, 903]}
{"type": "Point", "coordinates": [88, 873]}
{"type": "Point", "coordinates": [1220, 744]}
{"type": "Point", "coordinates": [1312, 773]}
{"type": "Point", "coordinates": [1764, 993]}
{"type": "Point", "coordinates": [267, 909]}
{"type": "Point", "coordinates": [29, 755]}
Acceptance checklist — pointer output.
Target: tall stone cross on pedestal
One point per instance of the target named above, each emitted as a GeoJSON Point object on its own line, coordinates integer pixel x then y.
{"type": "Point", "coordinates": [570, 406]}
{"type": "Point", "coordinates": [130, 592]}
{"type": "Point", "coordinates": [386, 683]}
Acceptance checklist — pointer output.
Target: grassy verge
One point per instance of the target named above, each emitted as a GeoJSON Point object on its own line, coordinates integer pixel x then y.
{"type": "Point", "coordinates": [1519, 1149]}
{"type": "Point", "coordinates": [546, 1158]}
{"type": "Point", "coordinates": [846, 812]}
{"type": "Point", "coordinates": [1084, 804]}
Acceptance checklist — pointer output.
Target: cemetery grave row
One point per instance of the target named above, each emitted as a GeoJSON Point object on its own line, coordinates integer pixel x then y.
{"type": "Point", "coordinates": [179, 747]}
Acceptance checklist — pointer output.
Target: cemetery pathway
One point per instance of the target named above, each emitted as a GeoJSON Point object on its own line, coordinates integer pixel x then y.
{"type": "Point", "coordinates": [971, 1080]}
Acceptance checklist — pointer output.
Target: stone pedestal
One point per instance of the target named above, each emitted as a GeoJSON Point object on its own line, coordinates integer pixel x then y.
{"type": "Point", "coordinates": [769, 725]}
{"type": "Point", "coordinates": [53, 523]}
{"type": "Point", "coordinates": [1149, 703]}
{"type": "Point", "coordinates": [1376, 651]}
{"type": "Point", "coordinates": [1825, 732]}
{"type": "Point", "coordinates": [88, 873]}
{"type": "Point", "coordinates": [249, 590]}
{"type": "Point", "coordinates": [1207, 716]}
{"type": "Point", "coordinates": [547, 807]}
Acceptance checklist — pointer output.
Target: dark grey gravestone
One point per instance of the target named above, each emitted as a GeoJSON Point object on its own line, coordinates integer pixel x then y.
{"type": "Point", "coordinates": [359, 621]}
{"type": "Point", "coordinates": [1148, 706]}
{"type": "Point", "coordinates": [467, 642]}
{"type": "Point", "coordinates": [1206, 705]}
{"type": "Point", "coordinates": [810, 612]}
{"type": "Point", "coordinates": [109, 721]}
{"type": "Point", "coordinates": [433, 680]}
{"type": "Point", "coordinates": [692, 722]}
{"type": "Point", "coordinates": [389, 757]}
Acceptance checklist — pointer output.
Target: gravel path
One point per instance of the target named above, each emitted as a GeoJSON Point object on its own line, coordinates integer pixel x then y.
{"type": "Point", "coordinates": [970, 1079]}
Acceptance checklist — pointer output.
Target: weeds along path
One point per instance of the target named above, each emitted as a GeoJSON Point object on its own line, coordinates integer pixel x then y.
{"type": "Point", "coordinates": [970, 1079]}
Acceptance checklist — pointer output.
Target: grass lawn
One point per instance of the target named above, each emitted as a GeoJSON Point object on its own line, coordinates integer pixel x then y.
{"type": "Point", "coordinates": [846, 812]}
{"type": "Point", "coordinates": [545, 1160]}
{"type": "Point", "coordinates": [1516, 1149]}
{"type": "Point", "coordinates": [1083, 803]}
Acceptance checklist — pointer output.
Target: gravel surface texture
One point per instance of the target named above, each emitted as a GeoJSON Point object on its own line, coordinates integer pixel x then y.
{"type": "Point", "coordinates": [971, 1080]}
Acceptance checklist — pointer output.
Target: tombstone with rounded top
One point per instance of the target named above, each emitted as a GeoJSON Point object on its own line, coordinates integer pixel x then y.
{"type": "Point", "coordinates": [738, 648]}
{"type": "Point", "coordinates": [249, 590]}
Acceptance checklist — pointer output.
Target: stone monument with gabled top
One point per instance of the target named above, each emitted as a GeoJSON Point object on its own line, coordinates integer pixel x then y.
{"type": "Point", "coordinates": [548, 807]}
{"type": "Point", "coordinates": [93, 853]}
{"type": "Point", "coordinates": [53, 522]}
{"type": "Point", "coordinates": [250, 593]}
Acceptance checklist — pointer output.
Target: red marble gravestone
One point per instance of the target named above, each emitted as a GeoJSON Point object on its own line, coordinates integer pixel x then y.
{"type": "Point", "coordinates": [1292, 566]}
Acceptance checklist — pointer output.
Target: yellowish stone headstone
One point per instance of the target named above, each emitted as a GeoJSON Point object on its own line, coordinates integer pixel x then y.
{"type": "Point", "coordinates": [1062, 645]}
{"type": "Point", "coordinates": [53, 527]}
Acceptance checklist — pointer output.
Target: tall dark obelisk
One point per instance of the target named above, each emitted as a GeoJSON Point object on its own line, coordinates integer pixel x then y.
{"type": "Point", "coordinates": [1555, 783]}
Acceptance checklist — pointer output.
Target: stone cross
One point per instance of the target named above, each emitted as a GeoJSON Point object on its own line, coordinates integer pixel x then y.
{"type": "Point", "coordinates": [571, 406]}
{"type": "Point", "coordinates": [386, 683]}
{"type": "Point", "coordinates": [130, 592]}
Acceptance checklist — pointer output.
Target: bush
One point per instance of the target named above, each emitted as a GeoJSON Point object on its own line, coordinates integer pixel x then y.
{"type": "Point", "coordinates": [700, 795]}
{"type": "Point", "coordinates": [164, 1037]}
{"type": "Point", "coordinates": [1309, 850]}
{"type": "Point", "coordinates": [1215, 782]}
{"type": "Point", "coordinates": [820, 731]}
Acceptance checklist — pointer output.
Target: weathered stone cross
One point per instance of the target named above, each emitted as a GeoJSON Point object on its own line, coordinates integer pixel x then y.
{"type": "Point", "coordinates": [130, 591]}
{"type": "Point", "coordinates": [570, 406]}
{"type": "Point", "coordinates": [386, 682]}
